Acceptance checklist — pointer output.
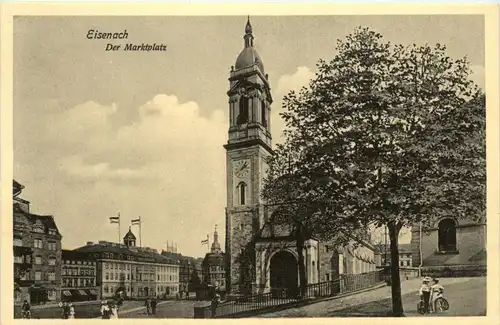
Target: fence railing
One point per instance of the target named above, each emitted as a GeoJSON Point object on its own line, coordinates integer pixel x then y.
{"type": "Point", "coordinates": [278, 297]}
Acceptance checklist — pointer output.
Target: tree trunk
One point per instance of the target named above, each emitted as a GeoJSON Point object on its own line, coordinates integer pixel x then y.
{"type": "Point", "coordinates": [397, 303]}
{"type": "Point", "coordinates": [300, 251]}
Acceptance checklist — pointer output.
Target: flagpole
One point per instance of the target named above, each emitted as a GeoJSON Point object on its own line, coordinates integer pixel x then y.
{"type": "Point", "coordinates": [208, 243]}
{"type": "Point", "coordinates": [140, 232]}
{"type": "Point", "coordinates": [119, 224]}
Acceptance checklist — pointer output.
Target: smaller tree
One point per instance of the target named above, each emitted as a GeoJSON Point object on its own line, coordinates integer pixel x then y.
{"type": "Point", "coordinates": [194, 282]}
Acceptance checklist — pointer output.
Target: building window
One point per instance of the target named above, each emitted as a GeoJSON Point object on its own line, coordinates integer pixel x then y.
{"type": "Point", "coordinates": [106, 289]}
{"type": "Point", "coordinates": [38, 243]}
{"type": "Point", "coordinates": [51, 246]}
{"type": "Point", "coordinates": [52, 276]}
{"type": "Point", "coordinates": [38, 276]}
{"type": "Point", "coordinates": [243, 112]}
{"type": "Point", "coordinates": [52, 261]}
{"type": "Point", "coordinates": [242, 189]}
{"type": "Point", "coordinates": [447, 235]}
{"type": "Point", "coordinates": [107, 276]}
{"type": "Point", "coordinates": [38, 260]}
{"type": "Point", "coordinates": [18, 242]}
{"type": "Point", "coordinates": [263, 113]}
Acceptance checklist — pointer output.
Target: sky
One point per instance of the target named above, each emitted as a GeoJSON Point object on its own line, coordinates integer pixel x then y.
{"type": "Point", "coordinates": [100, 132]}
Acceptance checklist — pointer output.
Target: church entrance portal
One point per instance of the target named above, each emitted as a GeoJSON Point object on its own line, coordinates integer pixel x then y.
{"type": "Point", "coordinates": [284, 275]}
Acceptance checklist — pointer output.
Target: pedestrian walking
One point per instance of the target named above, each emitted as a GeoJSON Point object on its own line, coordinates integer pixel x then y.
{"type": "Point", "coordinates": [154, 303]}
{"type": "Point", "coordinates": [215, 304]}
{"type": "Point", "coordinates": [71, 311]}
{"type": "Point", "coordinates": [26, 310]}
{"type": "Point", "coordinates": [114, 311]}
{"type": "Point", "coordinates": [64, 310]}
{"type": "Point", "coordinates": [147, 303]}
{"type": "Point", "coordinates": [105, 311]}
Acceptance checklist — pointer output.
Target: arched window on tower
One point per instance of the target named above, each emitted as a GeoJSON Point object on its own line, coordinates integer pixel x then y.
{"type": "Point", "coordinates": [243, 110]}
{"type": "Point", "coordinates": [447, 235]}
{"type": "Point", "coordinates": [242, 191]}
{"type": "Point", "coordinates": [263, 112]}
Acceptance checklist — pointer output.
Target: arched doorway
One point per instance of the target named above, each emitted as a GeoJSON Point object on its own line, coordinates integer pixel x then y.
{"type": "Point", "coordinates": [284, 274]}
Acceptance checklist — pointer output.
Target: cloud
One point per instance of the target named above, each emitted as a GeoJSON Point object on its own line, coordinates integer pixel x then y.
{"type": "Point", "coordinates": [167, 166]}
{"type": "Point", "coordinates": [300, 78]}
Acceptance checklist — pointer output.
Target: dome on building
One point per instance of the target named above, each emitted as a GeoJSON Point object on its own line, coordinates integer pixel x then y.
{"type": "Point", "coordinates": [129, 235]}
{"type": "Point", "coordinates": [248, 56]}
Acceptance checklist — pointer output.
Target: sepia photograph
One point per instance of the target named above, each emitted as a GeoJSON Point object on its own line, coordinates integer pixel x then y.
{"type": "Point", "coordinates": [249, 166]}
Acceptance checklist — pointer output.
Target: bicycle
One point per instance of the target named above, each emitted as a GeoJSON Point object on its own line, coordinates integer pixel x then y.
{"type": "Point", "coordinates": [441, 304]}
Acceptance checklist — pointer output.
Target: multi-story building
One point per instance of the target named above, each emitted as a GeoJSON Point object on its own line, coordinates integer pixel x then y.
{"type": "Point", "coordinates": [186, 268]}
{"type": "Point", "coordinates": [405, 255]}
{"type": "Point", "coordinates": [134, 271]}
{"type": "Point", "coordinates": [37, 253]}
{"type": "Point", "coordinates": [213, 266]}
{"type": "Point", "coordinates": [79, 274]}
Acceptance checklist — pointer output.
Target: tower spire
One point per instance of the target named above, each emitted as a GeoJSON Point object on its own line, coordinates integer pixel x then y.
{"type": "Point", "coordinates": [248, 34]}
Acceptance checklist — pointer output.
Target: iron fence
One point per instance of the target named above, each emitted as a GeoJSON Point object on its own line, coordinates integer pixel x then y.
{"type": "Point", "coordinates": [290, 296]}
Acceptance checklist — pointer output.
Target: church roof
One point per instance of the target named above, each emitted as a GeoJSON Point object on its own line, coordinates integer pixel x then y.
{"type": "Point", "coordinates": [248, 56]}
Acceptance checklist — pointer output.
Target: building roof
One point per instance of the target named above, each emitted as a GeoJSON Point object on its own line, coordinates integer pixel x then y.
{"type": "Point", "coordinates": [16, 188]}
{"type": "Point", "coordinates": [214, 259]}
{"type": "Point", "coordinates": [47, 220]}
{"type": "Point", "coordinates": [129, 235]}
{"type": "Point", "coordinates": [141, 253]}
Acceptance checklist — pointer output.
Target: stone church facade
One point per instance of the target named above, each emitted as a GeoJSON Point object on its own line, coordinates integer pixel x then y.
{"type": "Point", "coordinates": [450, 243]}
{"type": "Point", "coordinates": [260, 255]}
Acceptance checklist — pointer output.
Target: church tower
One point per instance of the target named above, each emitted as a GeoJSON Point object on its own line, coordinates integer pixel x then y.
{"type": "Point", "coordinates": [248, 146]}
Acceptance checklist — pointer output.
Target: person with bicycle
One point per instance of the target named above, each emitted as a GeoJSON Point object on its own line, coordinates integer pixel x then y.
{"type": "Point", "coordinates": [436, 292]}
{"type": "Point", "coordinates": [425, 293]}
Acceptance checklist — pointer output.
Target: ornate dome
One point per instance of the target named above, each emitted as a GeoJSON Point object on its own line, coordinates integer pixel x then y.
{"type": "Point", "coordinates": [248, 56]}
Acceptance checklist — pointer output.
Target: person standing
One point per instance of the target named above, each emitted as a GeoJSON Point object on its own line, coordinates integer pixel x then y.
{"type": "Point", "coordinates": [114, 311]}
{"type": "Point", "coordinates": [147, 303]}
{"type": "Point", "coordinates": [26, 309]}
{"type": "Point", "coordinates": [425, 293]}
{"type": "Point", "coordinates": [215, 304]}
{"type": "Point", "coordinates": [154, 303]}
{"type": "Point", "coordinates": [105, 312]}
{"type": "Point", "coordinates": [71, 312]}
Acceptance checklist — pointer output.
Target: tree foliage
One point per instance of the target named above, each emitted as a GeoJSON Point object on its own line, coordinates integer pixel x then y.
{"type": "Point", "coordinates": [387, 135]}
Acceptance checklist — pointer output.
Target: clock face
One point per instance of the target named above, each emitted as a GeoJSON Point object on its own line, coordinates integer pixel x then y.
{"type": "Point", "coordinates": [241, 168]}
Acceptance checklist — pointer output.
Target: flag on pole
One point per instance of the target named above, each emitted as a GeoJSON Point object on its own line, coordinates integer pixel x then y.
{"type": "Point", "coordinates": [136, 222]}
{"type": "Point", "coordinates": [204, 242]}
{"type": "Point", "coordinates": [114, 219]}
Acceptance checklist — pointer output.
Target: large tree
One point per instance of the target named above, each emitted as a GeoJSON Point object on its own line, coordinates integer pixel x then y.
{"type": "Point", "coordinates": [384, 135]}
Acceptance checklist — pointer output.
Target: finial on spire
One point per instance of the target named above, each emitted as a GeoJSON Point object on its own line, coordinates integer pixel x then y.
{"type": "Point", "coordinates": [248, 27]}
